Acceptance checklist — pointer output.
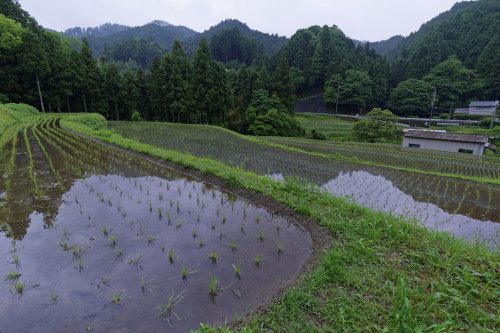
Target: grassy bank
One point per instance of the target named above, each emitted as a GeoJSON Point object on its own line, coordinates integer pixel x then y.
{"type": "Point", "coordinates": [332, 127]}
{"type": "Point", "coordinates": [381, 274]}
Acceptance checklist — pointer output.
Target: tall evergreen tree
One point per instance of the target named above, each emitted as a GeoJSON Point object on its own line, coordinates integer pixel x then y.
{"type": "Point", "coordinates": [283, 85]}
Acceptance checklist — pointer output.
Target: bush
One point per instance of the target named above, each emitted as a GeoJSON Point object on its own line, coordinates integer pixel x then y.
{"type": "Point", "coordinates": [94, 121]}
{"type": "Point", "coordinates": [317, 135]}
{"type": "Point", "coordinates": [379, 127]}
{"type": "Point", "coordinates": [469, 117]}
{"type": "Point", "coordinates": [136, 116]}
{"type": "Point", "coordinates": [486, 123]}
{"type": "Point", "coordinates": [444, 116]}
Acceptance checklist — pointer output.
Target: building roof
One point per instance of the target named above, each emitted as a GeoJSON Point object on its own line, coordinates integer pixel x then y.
{"type": "Point", "coordinates": [462, 111]}
{"type": "Point", "coordinates": [484, 104]}
{"type": "Point", "coordinates": [447, 136]}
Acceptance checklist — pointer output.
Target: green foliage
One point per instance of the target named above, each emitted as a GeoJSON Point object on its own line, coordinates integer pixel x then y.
{"type": "Point", "coordinates": [11, 33]}
{"type": "Point", "coordinates": [452, 81]}
{"type": "Point", "coordinates": [486, 123]}
{"type": "Point", "coordinates": [91, 120]}
{"type": "Point", "coordinates": [356, 89]}
{"type": "Point", "coordinates": [317, 135]}
{"type": "Point", "coordinates": [136, 116]}
{"type": "Point", "coordinates": [230, 45]}
{"type": "Point", "coordinates": [379, 127]}
{"type": "Point", "coordinates": [268, 116]}
{"type": "Point", "coordinates": [140, 50]}
{"type": "Point", "coordinates": [411, 96]}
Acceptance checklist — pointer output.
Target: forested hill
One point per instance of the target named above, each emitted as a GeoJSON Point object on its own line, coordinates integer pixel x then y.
{"type": "Point", "coordinates": [102, 30]}
{"type": "Point", "coordinates": [163, 35]}
{"type": "Point", "coordinates": [469, 30]}
{"type": "Point", "coordinates": [269, 43]}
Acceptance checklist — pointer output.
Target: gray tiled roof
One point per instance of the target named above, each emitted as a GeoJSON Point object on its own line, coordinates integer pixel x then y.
{"type": "Point", "coordinates": [483, 103]}
{"type": "Point", "coordinates": [447, 136]}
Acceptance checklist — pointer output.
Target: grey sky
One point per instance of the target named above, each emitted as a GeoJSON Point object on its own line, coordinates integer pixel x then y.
{"type": "Point", "coordinates": [371, 20]}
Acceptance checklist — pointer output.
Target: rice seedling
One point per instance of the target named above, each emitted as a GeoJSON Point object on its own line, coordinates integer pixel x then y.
{"type": "Point", "coordinates": [232, 245]}
{"type": "Point", "coordinates": [159, 212]}
{"type": "Point", "coordinates": [15, 260]}
{"type": "Point", "coordinates": [167, 308]}
{"type": "Point", "coordinates": [279, 248]}
{"type": "Point", "coordinates": [112, 240]}
{"type": "Point", "coordinates": [212, 255]}
{"type": "Point", "coordinates": [213, 287]}
{"type": "Point", "coordinates": [151, 239]}
{"type": "Point", "coordinates": [278, 225]}
{"type": "Point", "coordinates": [195, 233]}
{"type": "Point", "coordinates": [163, 247]}
{"type": "Point", "coordinates": [64, 244]}
{"type": "Point", "coordinates": [147, 285]}
{"type": "Point", "coordinates": [12, 275]}
{"type": "Point", "coordinates": [179, 190]}
{"type": "Point", "coordinates": [178, 206]}
{"type": "Point", "coordinates": [53, 298]}
{"type": "Point", "coordinates": [118, 297]}
{"type": "Point", "coordinates": [213, 225]}
{"type": "Point", "coordinates": [124, 213]}
{"type": "Point", "coordinates": [160, 196]}
{"type": "Point", "coordinates": [150, 207]}
{"type": "Point", "coordinates": [237, 269]}
{"type": "Point", "coordinates": [171, 203]}
{"type": "Point", "coordinates": [105, 280]}
{"type": "Point", "coordinates": [257, 260]}
{"type": "Point", "coordinates": [76, 250]}
{"type": "Point", "coordinates": [19, 287]}
{"type": "Point", "coordinates": [201, 242]}
{"type": "Point", "coordinates": [242, 227]}
{"type": "Point", "coordinates": [136, 260]}
{"type": "Point", "coordinates": [257, 218]}
{"type": "Point", "coordinates": [118, 252]}
{"type": "Point", "coordinates": [79, 264]}
{"type": "Point", "coordinates": [105, 229]}
{"type": "Point", "coordinates": [261, 235]}
{"type": "Point", "coordinates": [184, 272]}
{"type": "Point", "coordinates": [223, 218]}
{"type": "Point", "coordinates": [168, 215]}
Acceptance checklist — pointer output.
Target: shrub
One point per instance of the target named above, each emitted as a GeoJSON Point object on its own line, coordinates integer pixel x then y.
{"type": "Point", "coordinates": [136, 116]}
{"type": "Point", "coordinates": [317, 135]}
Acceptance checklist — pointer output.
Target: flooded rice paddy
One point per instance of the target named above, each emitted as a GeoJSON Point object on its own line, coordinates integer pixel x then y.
{"type": "Point", "coordinates": [465, 208]}
{"type": "Point", "coordinates": [95, 238]}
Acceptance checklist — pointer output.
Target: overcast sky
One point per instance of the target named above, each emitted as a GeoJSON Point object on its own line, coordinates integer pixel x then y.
{"type": "Point", "coordinates": [371, 20]}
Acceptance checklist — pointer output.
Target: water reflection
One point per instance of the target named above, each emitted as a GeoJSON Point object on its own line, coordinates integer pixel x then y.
{"type": "Point", "coordinates": [378, 193]}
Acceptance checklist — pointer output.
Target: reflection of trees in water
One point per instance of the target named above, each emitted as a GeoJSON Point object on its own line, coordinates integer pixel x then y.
{"type": "Point", "coordinates": [88, 159]}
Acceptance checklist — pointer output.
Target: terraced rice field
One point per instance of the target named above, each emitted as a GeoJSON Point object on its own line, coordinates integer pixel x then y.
{"type": "Point", "coordinates": [95, 238]}
{"type": "Point", "coordinates": [465, 208]}
{"type": "Point", "coordinates": [399, 157]}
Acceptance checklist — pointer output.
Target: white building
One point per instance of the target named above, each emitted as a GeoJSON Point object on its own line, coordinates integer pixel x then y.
{"type": "Point", "coordinates": [453, 142]}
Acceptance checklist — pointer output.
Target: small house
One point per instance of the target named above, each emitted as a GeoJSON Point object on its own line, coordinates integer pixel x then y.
{"type": "Point", "coordinates": [453, 142]}
{"type": "Point", "coordinates": [487, 108]}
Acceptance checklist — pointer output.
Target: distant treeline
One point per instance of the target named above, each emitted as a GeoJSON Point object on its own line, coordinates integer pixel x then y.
{"type": "Point", "coordinates": [233, 79]}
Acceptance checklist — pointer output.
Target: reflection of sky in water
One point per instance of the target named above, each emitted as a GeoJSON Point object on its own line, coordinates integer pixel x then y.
{"type": "Point", "coordinates": [378, 193]}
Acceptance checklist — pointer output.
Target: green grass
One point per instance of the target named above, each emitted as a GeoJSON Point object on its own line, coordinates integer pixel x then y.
{"type": "Point", "coordinates": [382, 273]}
{"type": "Point", "coordinates": [334, 128]}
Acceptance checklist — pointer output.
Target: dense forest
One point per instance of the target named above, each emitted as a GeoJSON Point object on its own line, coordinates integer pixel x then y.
{"type": "Point", "coordinates": [242, 79]}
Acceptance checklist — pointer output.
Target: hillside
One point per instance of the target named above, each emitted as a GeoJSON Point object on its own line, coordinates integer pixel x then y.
{"type": "Point", "coordinates": [162, 34]}
{"type": "Point", "coordinates": [465, 31]}
{"type": "Point", "coordinates": [270, 43]}
{"type": "Point", "coordinates": [102, 30]}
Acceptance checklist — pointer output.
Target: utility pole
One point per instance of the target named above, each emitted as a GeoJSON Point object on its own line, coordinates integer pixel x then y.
{"type": "Point", "coordinates": [451, 108]}
{"type": "Point", "coordinates": [337, 105]}
{"type": "Point", "coordinates": [432, 108]}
